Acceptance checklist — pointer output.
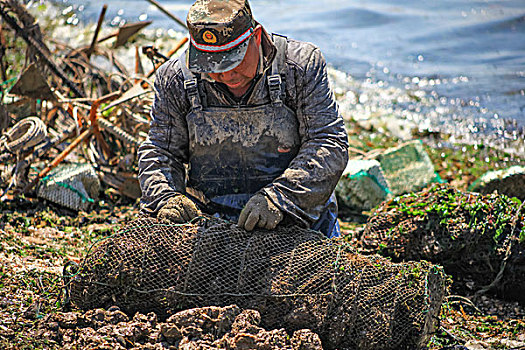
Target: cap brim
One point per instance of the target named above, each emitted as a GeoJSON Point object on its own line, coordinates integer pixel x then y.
{"type": "Point", "coordinates": [216, 62]}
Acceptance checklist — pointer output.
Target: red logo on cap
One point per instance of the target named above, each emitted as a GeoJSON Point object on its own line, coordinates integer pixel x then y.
{"type": "Point", "coordinates": [209, 37]}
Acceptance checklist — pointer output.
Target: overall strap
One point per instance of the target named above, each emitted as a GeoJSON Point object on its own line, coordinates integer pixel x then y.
{"type": "Point", "coordinates": [275, 79]}
{"type": "Point", "coordinates": [191, 86]}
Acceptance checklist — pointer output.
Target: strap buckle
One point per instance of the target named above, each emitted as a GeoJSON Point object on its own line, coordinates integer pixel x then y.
{"type": "Point", "coordinates": [274, 82]}
{"type": "Point", "coordinates": [275, 88]}
{"type": "Point", "coordinates": [190, 85]}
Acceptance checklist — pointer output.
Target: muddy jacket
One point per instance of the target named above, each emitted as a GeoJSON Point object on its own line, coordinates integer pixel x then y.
{"type": "Point", "coordinates": [284, 138]}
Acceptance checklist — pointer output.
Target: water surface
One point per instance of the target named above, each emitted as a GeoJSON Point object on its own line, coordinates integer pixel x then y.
{"type": "Point", "coordinates": [460, 62]}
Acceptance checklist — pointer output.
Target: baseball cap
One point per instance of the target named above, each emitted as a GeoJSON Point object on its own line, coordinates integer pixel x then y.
{"type": "Point", "coordinates": [219, 33]}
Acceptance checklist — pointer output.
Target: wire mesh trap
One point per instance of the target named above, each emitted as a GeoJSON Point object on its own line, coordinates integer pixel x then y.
{"type": "Point", "coordinates": [478, 239]}
{"type": "Point", "coordinates": [73, 185]}
{"type": "Point", "coordinates": [294, 277]}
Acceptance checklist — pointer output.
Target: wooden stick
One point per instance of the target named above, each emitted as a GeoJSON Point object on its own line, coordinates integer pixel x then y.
{"type": "Point", "coordinates": [93, 120]}
{"type": "Point", "coordinates": [97, 30]}
{"type": "Point", "coordinates": [166, 12]}
{"type": "Point", "coordinates": [42, 51]}
{"type": "Point", "coordinates": [170, 53]}
{"type": "Point", "coordinates": [93, 129]}
{"type": "Point", "coordinates": [138, 64]}
{"type": "Point", "coordinates": [3, 45]}
{"type": "Point", "coordinates": [107, 37]}
{"type": "Point", "coordinates": [63, 155]}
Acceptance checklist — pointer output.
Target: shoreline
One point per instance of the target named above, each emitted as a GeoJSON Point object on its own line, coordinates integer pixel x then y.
{"type": "Point", "coordinates": [377, 101]}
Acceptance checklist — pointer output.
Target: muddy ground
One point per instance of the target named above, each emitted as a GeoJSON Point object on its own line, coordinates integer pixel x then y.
{"type": "Point", "coordinates": [39, 238]}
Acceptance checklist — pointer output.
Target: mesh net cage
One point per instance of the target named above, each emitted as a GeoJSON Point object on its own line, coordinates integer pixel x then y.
{"type": "Point", "coordinates": [407, 167]}
{"type": "Point", "coordinates": [363, 185]}
{"type": "Point", "coordinates": [294, 277]}
{"type": "Point", "coordinates": [74, 186]}
{"type": "Point", "coordinates": [478, 239]}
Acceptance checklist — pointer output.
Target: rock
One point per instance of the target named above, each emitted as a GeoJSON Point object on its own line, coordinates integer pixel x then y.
{"type": "Point", "coordinates": [139, 331]}
{"type": "Point", "coordinates": [115, 317]}
{"type": "Point", "coordinates": [53, 326]}
{"type": "Point", "coordinates": [476, 345]}
{"type": "Point", "coordinates": [171, 332]}
{"type": "Point", "coordinates": [305, 339]}
{"type": "Point", "coordinates": [114, 308]}
{"type": "Point", "coordinates": [94, 318]}
{"type": "Point", "coordinates": [68, 336]}
{"type": "Point", "coordinates": [152, 319]}
{"type": "Point", "coordinates": [197, 321]}
{"type": "Point", "coordinates": [200, 328]}
{"type": "Point", "coordinates": [512, 344]}
{"type": "Point", "coordinates": [275, 339]}
{"type": "Point", "coordinates": [67, 320]}
{"type": "Point", "coordinates": [32, 311]}
{"type": "Point", "coordinates": [107, 330]}
{"type": "Point", "coordinates": [245, 320]}
{"type": "Point", "coordinates": [510, 182]}
{"type": "Point", "coordinates": [138, 317]}
{"type": "Point", "coordinates": [154, 336]}
{"type": "Point", "coordinates": [244, 341]}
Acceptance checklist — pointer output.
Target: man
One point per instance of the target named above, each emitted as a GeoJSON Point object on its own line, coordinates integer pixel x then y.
{"type": "Point", "coordinates": [243, 121]}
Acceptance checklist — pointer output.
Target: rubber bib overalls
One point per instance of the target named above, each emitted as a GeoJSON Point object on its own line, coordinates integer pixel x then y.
{"type": "Point", "coordinates": [237, 150]}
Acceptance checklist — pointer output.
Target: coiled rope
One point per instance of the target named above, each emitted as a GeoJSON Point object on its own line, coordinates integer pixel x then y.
{"type": "Point", "coordinates": [25, 134]}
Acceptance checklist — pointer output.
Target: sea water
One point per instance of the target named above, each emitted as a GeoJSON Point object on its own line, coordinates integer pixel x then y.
{"type": "Point", "coordinates": [455, 66]}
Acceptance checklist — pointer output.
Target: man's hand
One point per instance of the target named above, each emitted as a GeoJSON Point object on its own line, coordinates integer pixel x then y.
{"type": "Point", "coordinates": [260, 212]}
{"type": "Point", "coordinates": [179, 209]}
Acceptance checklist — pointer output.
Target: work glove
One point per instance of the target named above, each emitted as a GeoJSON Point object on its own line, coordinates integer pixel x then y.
{"type": "Point", "coordinates": [260, 212]}
{"type": "Point", "coordinates": [178, 209]}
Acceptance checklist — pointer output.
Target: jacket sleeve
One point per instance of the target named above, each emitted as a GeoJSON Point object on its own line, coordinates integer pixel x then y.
{"type": "Point", "coordinates": [306, 185]}
{"type": "Point", "coordinates": [163, 155]}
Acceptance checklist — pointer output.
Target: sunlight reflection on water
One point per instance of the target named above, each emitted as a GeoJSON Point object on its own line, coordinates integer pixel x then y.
{"type": "Point", "coordinates": [460, 65]}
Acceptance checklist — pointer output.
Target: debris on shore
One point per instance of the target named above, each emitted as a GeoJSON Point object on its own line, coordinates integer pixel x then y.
{"type": "Point", "coordinates": [79, 105]}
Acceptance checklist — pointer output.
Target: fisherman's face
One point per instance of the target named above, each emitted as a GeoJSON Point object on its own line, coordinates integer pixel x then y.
{"type": "Point", "coordinates": [239, 78]}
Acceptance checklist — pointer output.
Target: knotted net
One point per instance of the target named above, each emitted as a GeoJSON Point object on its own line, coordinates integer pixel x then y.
{"type": "Point", "coordinates": [294, 277]}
